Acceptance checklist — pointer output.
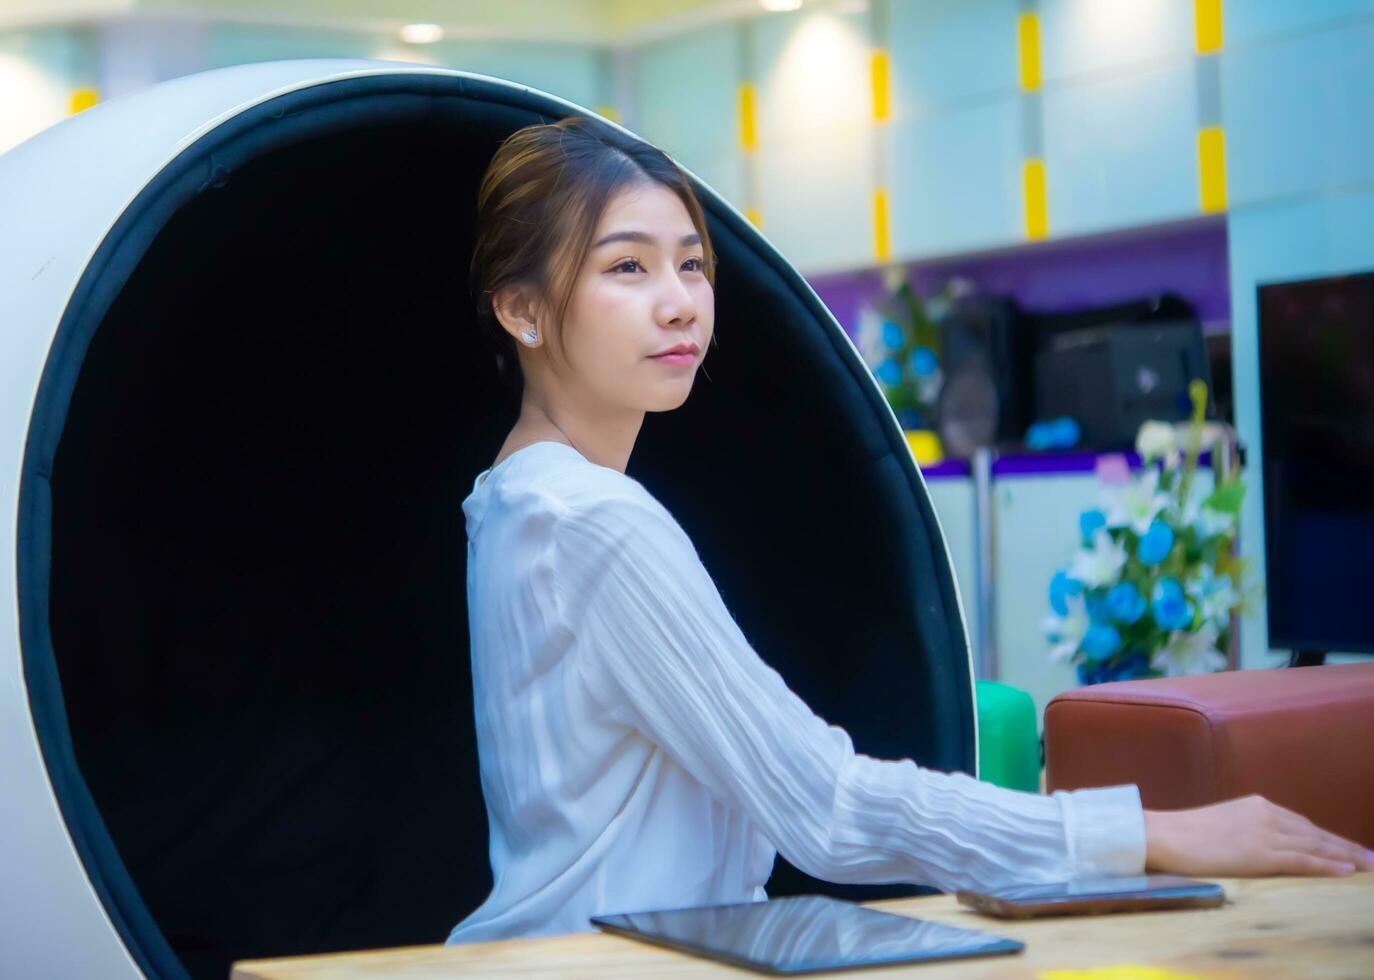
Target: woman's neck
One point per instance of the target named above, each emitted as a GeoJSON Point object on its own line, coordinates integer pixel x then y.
{"type": "Point", "coordinates": [604, 439]}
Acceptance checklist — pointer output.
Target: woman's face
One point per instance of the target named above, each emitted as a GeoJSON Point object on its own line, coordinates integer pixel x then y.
{"type": "Point", "coordinates": [641, 291]}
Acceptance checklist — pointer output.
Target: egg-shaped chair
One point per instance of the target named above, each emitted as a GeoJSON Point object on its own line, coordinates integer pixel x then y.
{"type": "Point", "coordinates": [243, 400]}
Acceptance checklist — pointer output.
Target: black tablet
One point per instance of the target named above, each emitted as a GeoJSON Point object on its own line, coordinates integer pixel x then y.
{"type": "Point", "coordinates": [803, 934]}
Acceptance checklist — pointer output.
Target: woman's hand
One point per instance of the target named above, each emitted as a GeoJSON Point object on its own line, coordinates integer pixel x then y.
{"type": "Point", "coordinates": [1246, 837]}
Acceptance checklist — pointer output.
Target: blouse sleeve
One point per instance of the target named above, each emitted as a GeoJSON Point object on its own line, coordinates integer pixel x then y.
{"type": "Point", "coordinates": [665, 656]}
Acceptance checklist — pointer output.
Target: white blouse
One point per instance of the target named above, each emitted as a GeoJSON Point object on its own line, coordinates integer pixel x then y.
{"type": "Point", "coordinates": [636, 753]}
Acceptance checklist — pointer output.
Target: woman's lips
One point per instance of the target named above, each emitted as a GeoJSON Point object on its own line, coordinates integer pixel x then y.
{"type": "Point", "coordinates": [674, 359]}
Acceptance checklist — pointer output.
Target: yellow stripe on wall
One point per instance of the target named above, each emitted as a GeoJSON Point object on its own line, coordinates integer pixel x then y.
{"type": "Point", "coordinates": [82, 99]}
{"type": "Point", "coordinates": [609, 111]}
{"type": "Point", "coordinates": [882, 86]}
{"type": "Point", "coordinates": [748, 131]}
{"type": "Point", "coordinates": [1211, 168]}
{"type": "Point", "coordinates": [1028, 45]}
{"type": "Point", "coordinates": [755, 217]}
{"type": "Point", "coordinates": [882, 235]}
{"type": "Point", "coordinates": [1037, 206]}
{"type": "Point", "coordinates": [1207, 20]}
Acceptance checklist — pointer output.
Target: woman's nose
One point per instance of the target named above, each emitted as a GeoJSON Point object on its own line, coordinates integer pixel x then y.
{"type": "Point", "coordinates": [677, 302]}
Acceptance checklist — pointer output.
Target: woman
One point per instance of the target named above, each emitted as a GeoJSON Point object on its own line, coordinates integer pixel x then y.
{"type": "Point", "coordinates": [635, 751]}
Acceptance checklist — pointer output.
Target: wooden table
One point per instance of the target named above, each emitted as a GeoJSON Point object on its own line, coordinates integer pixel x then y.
{"type": "Point", "coordinates": [1274, 927]}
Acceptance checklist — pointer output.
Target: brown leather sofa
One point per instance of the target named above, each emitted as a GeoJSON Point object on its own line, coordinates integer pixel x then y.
{"type": "Point", "coordinates": [1303, 737]}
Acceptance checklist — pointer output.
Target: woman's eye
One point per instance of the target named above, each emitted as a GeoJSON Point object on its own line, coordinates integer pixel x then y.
{"type": "Point", "coordinates": [629, 265]}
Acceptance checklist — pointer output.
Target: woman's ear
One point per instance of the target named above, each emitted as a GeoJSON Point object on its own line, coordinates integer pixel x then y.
{"type": "Point", "coordinates": [518, 315]}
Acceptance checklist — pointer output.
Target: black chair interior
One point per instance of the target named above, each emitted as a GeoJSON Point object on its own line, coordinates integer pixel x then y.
{"type": "Point", "coordinates": [270, 402]}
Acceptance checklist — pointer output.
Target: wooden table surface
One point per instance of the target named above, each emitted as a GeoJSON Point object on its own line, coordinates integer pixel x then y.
{"type": "Point", "coordinates": [1271, 927]}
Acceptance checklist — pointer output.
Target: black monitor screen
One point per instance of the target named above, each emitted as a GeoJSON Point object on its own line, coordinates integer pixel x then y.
{"type": "Point", "coordinates": [1317, 408]}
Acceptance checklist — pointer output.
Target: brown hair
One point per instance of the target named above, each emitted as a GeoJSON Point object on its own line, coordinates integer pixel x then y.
{"type": "Point", "coordinates": [538, 206]}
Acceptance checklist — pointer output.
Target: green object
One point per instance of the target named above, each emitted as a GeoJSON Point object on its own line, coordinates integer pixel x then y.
{"type": "Point", "coordinates": [1008, 737]}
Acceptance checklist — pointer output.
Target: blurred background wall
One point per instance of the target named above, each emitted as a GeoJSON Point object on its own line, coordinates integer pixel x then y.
{"type": "Point", "coordinates": [1064, 152]}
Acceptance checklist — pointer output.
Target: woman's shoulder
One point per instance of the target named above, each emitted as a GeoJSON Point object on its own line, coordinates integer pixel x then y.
{"type": "Point", "coordinates": [562, 480]}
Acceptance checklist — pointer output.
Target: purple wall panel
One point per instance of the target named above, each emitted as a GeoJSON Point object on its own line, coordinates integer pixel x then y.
{"type": "Point", "coordinates": [1188, 259]}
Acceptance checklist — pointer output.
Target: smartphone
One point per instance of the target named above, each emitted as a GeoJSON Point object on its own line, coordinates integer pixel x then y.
{"type": "Point", "coordinates": [1092, 896]}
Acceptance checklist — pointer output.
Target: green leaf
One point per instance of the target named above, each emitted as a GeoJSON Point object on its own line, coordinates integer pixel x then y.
{"type": "Point", "coordinates": [1226, 499]}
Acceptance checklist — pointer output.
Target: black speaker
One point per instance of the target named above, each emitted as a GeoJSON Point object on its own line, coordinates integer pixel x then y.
{"type": "Point", "coordinates": [987, 361]}
{"type": "Point", "coordinates": [1113, 378]}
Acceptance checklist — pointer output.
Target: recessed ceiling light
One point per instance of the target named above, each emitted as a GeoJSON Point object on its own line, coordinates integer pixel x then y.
{"type": "Point", "coordinates": [778, 6]}
{"type": "Point", "coordinates": [421, 33]}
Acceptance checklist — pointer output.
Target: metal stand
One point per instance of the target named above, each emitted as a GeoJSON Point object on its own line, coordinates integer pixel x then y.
{"type": "Point", "coordinates": [1226, 460]}
{"type": "Point", "coordinates": [1307, 658]}
{"type": "Point", "coordinates": [985, 564]}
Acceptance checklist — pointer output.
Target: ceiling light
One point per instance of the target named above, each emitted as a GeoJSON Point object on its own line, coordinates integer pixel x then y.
{"type": "Point", "coordinates": [778, 6]}
{"type": "Point", "coordinates": [421, 33]}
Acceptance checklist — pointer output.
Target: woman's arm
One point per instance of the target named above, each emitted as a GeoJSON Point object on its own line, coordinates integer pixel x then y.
{"type": "Point", "coordinates": [663, 654]}
{"type": "Point", "coordinates": [669, 660]}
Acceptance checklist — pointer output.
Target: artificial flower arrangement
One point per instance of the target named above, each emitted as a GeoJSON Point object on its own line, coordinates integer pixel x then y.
{"type": "Point", "coordinates": [1154, 585]}
{"type": "Point", "coordinates": [899, 339]}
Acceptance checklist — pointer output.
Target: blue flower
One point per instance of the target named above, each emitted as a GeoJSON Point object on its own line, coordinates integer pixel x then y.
{"type": "Point", "coordinates": [923, 363]}
{"type": "Point", "coordinates": [1125, 603]}
{"type": "Point", "coordinates": [1088, 524]}
{"type": "Point", "coordinates": [1155, 543]}
{"type": "Point", "coordinates": [889, 372]}
{"type": "Point", "coordinates": [1132, 665]}
{"type": "Point", "coordinates": [1091, 673]}
{"type": "Point", "coordinates": [1098, 611]}
{"type": "Point", "coordinates": [1100, 642]}
{"type": "Point", "coordinates": [1170, 607]}
{"type": "Point", "coordinates": [1061, 587]}
{"type": "Point", "coordinates": [893, 337]}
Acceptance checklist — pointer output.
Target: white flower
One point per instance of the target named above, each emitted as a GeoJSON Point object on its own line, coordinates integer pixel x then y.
{"type": "Point", "coordinates": [1214, 594]}
{"type": "Point", "coordinates": [1213, 436]}
{"type": "Point", "coordinates": [1155, 439]}
{"type": "Point", "coordinates": [1190, 653]}
{"type": "Point", "coordinates": [1066, 632]}
{"type": "Point", "coordinates": [1206, 521]}
{"type": "Point", "coordinates": [1101, 564]}
{"type": "Point", "coordinates": [928, 387]}
{"type": "Point", "coordinates": [868, 336]}
{"type": "Point", "coordinates": [1137, 504]}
